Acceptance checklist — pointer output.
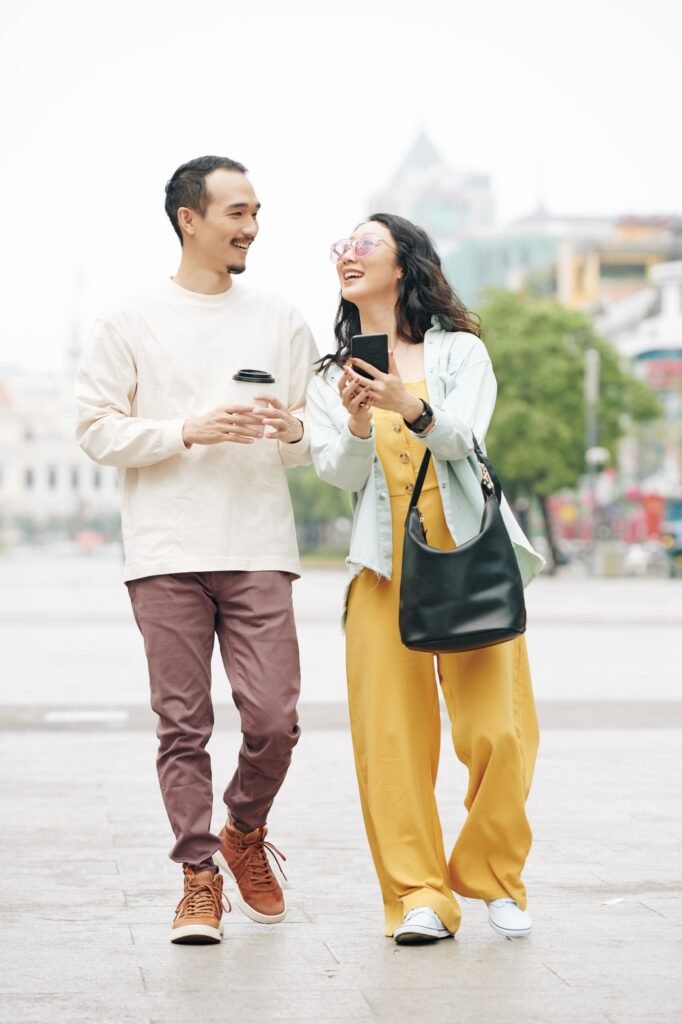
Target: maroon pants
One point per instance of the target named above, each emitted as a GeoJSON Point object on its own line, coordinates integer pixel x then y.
{"type": "Point", "coordinates": [252, 614]}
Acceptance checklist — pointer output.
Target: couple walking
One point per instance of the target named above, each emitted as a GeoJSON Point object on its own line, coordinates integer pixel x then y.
{"type": "Point", "coordinates": [210, 550]}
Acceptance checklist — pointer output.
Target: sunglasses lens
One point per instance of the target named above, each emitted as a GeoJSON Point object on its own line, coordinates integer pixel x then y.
{"type": "Point", "coordinates": [364, 246]}
{"type": "Point", "coordinates": [339, 250]}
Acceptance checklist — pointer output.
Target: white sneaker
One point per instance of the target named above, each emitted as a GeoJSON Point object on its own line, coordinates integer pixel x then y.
{"type": "Point", "coordinates": [421, 925]}
{"type": "Point", "coordinates": [506, 918]}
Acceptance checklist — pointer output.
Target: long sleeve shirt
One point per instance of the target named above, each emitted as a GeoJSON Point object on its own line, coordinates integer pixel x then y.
{"type": "Point", "coordinates": [169, 355]}
{"type": "Point", "coordinates": [462, 391]}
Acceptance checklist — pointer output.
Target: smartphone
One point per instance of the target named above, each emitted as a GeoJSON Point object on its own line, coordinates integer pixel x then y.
{"type": "Point", "coordinates": [373, 348]}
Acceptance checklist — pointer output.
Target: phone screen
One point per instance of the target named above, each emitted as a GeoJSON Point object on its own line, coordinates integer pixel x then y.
{"type": "Point", "coordinates": [373, 348]}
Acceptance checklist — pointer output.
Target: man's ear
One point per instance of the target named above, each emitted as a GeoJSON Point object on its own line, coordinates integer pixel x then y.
{"type": "Point", "coordinates": [186, 220]}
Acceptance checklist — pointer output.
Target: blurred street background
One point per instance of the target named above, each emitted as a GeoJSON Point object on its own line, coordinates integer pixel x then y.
{"type": "Point", "coordinates": [72, 652]}
{"type": "Point", "coordinates": [582, 315]}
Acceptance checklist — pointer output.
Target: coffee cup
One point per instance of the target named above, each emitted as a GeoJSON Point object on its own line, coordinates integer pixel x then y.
{"type": "Point", "coordinates": [251, 383]}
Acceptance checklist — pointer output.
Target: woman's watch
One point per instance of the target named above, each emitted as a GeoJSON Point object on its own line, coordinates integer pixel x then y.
{"type": "Point", "coordinates": [423, 422]}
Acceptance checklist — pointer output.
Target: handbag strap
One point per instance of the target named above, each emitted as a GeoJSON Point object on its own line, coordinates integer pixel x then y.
{"type": "Point", "coordinates": [490, 482]}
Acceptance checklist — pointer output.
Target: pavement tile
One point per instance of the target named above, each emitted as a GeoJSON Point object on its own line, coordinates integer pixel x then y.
{"type": "Point", "coordinates": [29, 899]}
{"type": "Point", "coordinates": [487, 1005]}
{"type": "Point", "coordinates": [60, 1008]}
{"type": "Point", "coordinates": [230, 1000]}
{"type": "Point", "coordinates": [87, 974]}
{"type": "Point", "coordinates": [55, 866]}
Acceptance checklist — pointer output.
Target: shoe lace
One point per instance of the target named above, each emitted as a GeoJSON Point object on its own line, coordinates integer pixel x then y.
{"type": "Point", "coordinates": [260, 871]}
{"type": "Point", "coordinates": [203, 898]}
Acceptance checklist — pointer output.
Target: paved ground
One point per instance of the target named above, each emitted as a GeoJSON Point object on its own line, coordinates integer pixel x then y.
{"type": "Point", "coordinates": [87, 892]}
{"type": "Point", "coordinates": [87, 895]}
{"type": "Point", "coordinates": [68, 637]}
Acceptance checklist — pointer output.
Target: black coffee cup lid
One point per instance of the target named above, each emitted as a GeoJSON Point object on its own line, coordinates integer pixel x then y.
{"type": "Point", "coordinates": [254, 376]}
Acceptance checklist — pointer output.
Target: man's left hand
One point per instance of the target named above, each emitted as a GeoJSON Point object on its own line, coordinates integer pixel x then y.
{"type": "Point", "coordinates": [283, 426]}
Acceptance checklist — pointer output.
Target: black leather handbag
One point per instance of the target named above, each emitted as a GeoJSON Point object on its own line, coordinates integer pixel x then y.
{"type": "Point", "coordinates": [467, 598]}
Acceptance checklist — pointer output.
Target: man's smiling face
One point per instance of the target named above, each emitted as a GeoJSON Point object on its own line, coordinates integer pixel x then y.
{"type": "Point", "coordinates": [222, 236]}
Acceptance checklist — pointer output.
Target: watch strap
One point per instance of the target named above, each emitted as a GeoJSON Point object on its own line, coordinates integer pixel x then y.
{"type": "Point", "coordinates": [423, 421]}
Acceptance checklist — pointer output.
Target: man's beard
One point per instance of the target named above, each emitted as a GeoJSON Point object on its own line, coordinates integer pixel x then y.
{"type": "Point", "coordinates": [237, 270]}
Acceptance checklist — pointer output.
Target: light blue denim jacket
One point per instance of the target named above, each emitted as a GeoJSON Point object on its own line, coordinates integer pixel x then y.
{"type": "Point", "coordinates": [462, 390]}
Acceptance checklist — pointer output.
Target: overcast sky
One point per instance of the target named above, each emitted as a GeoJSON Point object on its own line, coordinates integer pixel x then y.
{"type": "Point", "coordinates": [575, 103]}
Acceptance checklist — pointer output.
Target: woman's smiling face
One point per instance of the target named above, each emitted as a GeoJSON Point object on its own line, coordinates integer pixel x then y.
{"type": "Point", "coordinates": [369, 269]}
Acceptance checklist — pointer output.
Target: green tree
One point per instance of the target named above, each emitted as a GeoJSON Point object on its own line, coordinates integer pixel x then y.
{"type": "Point", "coordinates": [316, 504]}
{"type": "Point", "coordinates": [537, 436]}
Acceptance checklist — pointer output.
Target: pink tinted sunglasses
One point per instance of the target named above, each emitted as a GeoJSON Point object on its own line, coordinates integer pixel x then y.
{"type": "Point", "coordinates": [362, 246]}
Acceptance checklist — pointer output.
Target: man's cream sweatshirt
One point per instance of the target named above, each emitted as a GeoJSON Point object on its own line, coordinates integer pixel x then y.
{"type": "Point", "coordinates": [167, 356]}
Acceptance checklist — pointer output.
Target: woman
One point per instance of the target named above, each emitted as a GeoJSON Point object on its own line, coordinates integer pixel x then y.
{"type": "Point", "coordinates": [368, 437]}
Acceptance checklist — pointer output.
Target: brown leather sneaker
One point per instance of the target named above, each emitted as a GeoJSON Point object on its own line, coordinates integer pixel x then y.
{"type": "Point", "coordinates": [243, 856]}
{"type": "Point", "coordinates": [199, 912]}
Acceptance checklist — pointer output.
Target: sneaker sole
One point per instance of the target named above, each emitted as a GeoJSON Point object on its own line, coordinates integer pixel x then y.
{"type": "Point", "coordinates": [197, 935]}
{"type": "Point", "coordinates": [245, 908]}
{"type": "Point", "coordinates": [519, 933]}
{"type": "Point", "coordinates": [419, 937]}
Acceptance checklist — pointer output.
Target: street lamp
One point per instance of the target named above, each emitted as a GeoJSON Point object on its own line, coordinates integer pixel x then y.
{"type": "Point", "coordinates": [595, 457]}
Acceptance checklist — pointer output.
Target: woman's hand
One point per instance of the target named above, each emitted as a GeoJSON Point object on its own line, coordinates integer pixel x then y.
{"type": "Point", "coordinates": [386, 390]}
{"type": "Point", "coordinates": [357, 402]}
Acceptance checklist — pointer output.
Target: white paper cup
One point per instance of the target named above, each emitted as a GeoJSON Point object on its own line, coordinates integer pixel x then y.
{"type": "Point", "coordinates": [250, 383]}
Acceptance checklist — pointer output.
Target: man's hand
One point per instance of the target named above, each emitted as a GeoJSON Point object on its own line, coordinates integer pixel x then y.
{"type": "Point", "coordinates": [239, 424]}
{"type": "Point", "coordinates": [283, 425]}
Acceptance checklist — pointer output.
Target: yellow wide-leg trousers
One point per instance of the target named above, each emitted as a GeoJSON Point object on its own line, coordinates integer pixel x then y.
{"type": "Point", "coordinates": [395, 723]}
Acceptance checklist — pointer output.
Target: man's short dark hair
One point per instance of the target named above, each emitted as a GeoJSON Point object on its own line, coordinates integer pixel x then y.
{"type": "Point", "coordinates": [187, 187]}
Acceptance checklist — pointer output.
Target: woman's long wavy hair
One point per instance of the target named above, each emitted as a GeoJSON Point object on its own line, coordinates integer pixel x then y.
{"type": "Point", "coordinates": [423, 293]}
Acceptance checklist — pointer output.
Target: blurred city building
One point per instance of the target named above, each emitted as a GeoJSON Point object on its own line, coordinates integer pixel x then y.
{"type": "Point", "coordinates": [646, 327]}
{"type": "Point", "coordinates": [595, 273]}
{"type": "Point", "coordinates": [586, 263]}
{"type": "Point", "coordinates": [528, 253]}
{"type": "Point", "coordinates": [48, 486]}
{"type": "Point", "coordinates": [445, 202]}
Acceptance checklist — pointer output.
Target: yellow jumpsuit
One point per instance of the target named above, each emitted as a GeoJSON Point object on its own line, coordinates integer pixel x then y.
{"type": "Point", "coordinates": [395, 724]}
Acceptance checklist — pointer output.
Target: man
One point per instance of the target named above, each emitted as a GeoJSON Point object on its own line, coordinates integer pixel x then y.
{"type": "Point", "coordinates": [208, 531]}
